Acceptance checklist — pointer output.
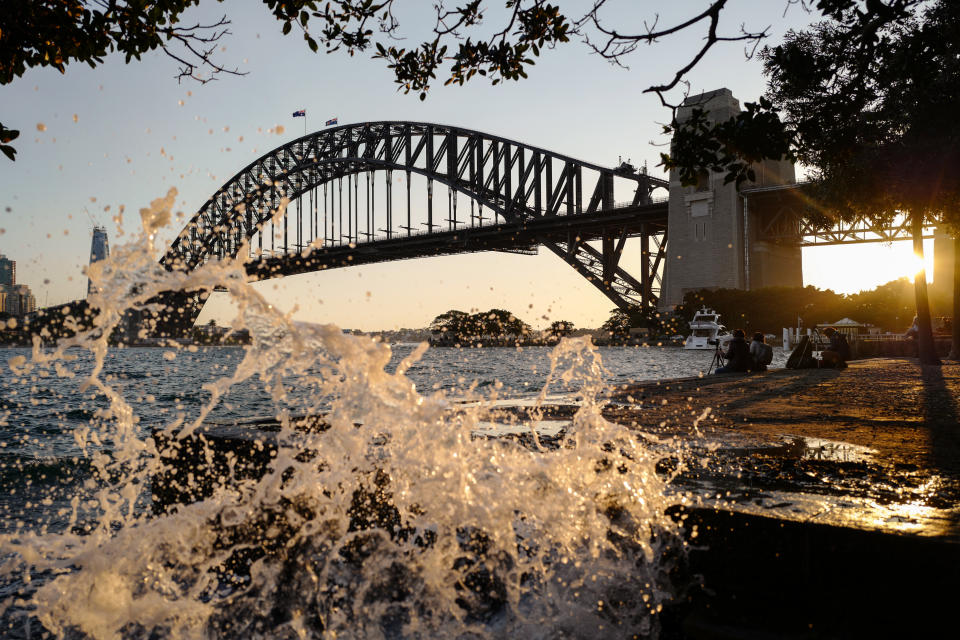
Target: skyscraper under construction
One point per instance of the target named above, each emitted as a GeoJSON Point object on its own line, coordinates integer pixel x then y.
{"type": "Point", "coordinates": [99, 250]}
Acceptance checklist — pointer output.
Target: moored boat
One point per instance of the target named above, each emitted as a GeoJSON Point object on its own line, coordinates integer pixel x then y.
{"type": "Point", "coordinates": [706, 331]}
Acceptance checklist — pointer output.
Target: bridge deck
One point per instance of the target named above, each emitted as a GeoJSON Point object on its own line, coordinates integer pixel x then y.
{"type": "Point", "coordinates": [651, 218]}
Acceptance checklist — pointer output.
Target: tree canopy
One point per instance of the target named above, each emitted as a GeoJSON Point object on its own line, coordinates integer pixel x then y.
{"type": "Point", "coordinates": [465, 328]}
{"type": "Point", "coordinates": [835, 80]}
{"type": "Point", "coordinates": [497, 40]}
{"type": "Point", "coordinates": [560, 328]}
{"type": "Point", "coordinates": [876, 120]}
{"type": "Point", "coordinates": [659, 323]}
{"type": "Point", "coordinates": [874, 113]}
{"type": "Point", "coordinates": [890, 306]}
{"type": "Point", "coordinates": [866, 99]}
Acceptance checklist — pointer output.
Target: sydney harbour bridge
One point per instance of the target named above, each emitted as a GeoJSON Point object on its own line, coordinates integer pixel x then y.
{"type": "Point", "coordinates": [381, 191]}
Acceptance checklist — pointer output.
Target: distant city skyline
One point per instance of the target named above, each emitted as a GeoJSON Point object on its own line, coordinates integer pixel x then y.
{"type": "Point", "coordinates": [99, 250]}
{"type": "Point", "coordinates": [96, 139]}
{"type": "Point", "coordinates": [16, 299]}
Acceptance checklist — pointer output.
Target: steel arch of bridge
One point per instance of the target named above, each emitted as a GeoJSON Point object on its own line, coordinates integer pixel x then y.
{"type": "Point", "coordinates": [538, 197]}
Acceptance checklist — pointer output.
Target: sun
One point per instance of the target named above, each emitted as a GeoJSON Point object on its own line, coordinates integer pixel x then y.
{"type": "Point", "coordinates": [910, 264]}
{"type": "Point", "coordinates": [859, 267]}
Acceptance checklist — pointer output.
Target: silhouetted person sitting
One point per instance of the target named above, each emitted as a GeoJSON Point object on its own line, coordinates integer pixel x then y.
{"type": "Point", "coordinates": [760, 352]}
{"type": "Point", "coordinates": [838, 350]}
{"type": "Point", "coordinates": [914, 328]}
{"type": "Point", "coordinates": [737, 355]}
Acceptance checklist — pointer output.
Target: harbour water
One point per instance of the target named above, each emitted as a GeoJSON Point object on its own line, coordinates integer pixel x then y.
{"type": "Point", "coordinates": [74, 477]}
{"type": "Point", "coordinates": [390, 519]}
{"type": "Point", "coordinates": [41, 457]}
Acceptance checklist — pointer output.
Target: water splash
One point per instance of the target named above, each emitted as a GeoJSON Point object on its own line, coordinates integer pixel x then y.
{"type": "Point", "coordinates": [387, 518]}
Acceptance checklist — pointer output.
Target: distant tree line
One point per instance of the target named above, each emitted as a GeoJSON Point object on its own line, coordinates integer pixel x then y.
{"type": "Point", "coordinates": [657, 323]}
{"type": "Point", "coordinates": [211, 334]}
{"type": "Point", "coordinates": [559, 329]}
{"type": "Point", "coordinates": [890, 306]}
{"type": "Point", "coordinates": [460, 327]}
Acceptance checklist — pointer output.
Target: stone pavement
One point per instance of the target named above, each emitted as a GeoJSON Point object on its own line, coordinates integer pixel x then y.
{"type": "Point", "coordinates": [873, 446]}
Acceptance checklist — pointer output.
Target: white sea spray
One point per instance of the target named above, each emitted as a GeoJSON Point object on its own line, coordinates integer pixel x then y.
{"type": "Point", "coordinates": [392, 520]}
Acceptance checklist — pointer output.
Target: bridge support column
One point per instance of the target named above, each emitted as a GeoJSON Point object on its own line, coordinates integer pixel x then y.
{"type": "Point", "coordinates": [713, 240]}
{"type": "Point", "coordinates": [650, 288]}
{"type": "Point", "coordinates": [645, 275]}
{"type": "Point", "coordinates": [944, 257]}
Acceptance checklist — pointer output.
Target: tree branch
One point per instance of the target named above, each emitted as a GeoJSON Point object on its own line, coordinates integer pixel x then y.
{"type": "Point", "coordinates": [617, 45]}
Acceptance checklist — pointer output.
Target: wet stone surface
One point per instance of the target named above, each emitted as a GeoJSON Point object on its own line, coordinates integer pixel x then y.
{"type": "Point", "coordinates": [875, 446]}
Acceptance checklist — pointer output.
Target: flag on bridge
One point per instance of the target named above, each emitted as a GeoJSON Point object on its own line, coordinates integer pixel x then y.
{"type": "Point", "coordinates": [300, 114]}
{"type": "Point", "coordinates": [331, 122]}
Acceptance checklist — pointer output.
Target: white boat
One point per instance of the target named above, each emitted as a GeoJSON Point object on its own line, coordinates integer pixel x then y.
{"type": "Point", "coordinates": [706, 330]}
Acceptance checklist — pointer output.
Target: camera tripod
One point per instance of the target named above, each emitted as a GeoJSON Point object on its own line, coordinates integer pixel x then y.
{"type": "Point", "coordinates": [717, 361]}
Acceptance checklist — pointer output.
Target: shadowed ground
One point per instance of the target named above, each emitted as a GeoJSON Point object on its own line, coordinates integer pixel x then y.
{"type": "Point", "coordinates": [879, 442]}
{"type": "Point", "coordinates": [906, 412]}
{"type": "Point", "coordinates": [830, 498]}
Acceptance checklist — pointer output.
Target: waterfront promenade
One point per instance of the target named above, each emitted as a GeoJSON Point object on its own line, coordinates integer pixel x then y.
{"type": "Point", "coordinates": [907, 413]}
{"type": "Point", "coordinates": [875, 446]}
{"type": "Point", "coordinates": [829, 499]}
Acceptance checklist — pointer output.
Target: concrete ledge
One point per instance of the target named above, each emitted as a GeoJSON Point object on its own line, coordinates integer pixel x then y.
{"type": "Point", "coordinates": [769, 578]}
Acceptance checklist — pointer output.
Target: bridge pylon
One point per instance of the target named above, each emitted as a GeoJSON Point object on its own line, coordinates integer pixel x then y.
{"type": "Point", "coordinates": [714, 239]}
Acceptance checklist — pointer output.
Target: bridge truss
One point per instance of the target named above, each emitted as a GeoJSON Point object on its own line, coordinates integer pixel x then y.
{"type": "Point", "coordinates": [368, 192]}
{"type": "Point", "coordinates": [787, 219]}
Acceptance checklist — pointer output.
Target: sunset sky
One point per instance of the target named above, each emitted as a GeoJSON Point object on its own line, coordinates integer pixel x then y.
{"type": "Point", "coordinates": [124, 134]}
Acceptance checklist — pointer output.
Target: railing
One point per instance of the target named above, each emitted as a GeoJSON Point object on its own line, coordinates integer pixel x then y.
{"type": "Point", "coordinates": [466, 224]}
{"type": "Point", "coordinates": [880, 337]}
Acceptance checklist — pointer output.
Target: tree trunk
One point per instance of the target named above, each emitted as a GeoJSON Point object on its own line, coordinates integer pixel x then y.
{"type": "Point", "coordinates": [955, 343]}
{"type": "Point", "coordinates": [926, 349]}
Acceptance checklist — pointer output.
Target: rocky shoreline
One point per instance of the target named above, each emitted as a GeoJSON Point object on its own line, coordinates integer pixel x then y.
{"type": "Point", "coordinates": [824, 503]}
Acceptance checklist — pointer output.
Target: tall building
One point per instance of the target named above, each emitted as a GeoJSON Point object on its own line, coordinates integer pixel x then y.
{"type": "Point", "coordinates": [99, 250]}
{"type": "Point", "coordinates": [8, 270]}
{"type": "Point", "coordinates": [15, 299]}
